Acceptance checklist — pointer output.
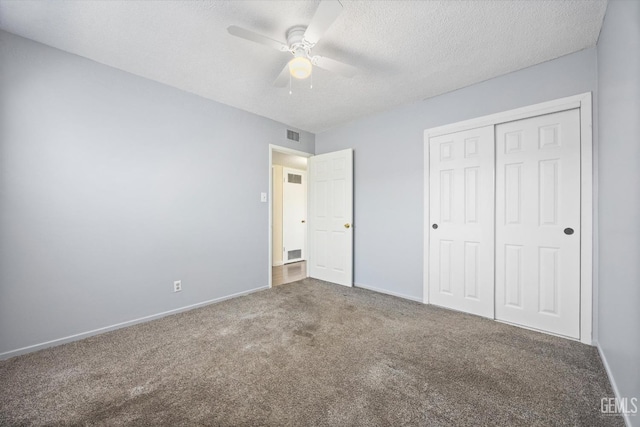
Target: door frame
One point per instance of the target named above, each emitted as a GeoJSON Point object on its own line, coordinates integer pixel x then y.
{"type": "Point", "coordinates": [284, 150]}
{"type": "Point", "coordinates": [583, 102]}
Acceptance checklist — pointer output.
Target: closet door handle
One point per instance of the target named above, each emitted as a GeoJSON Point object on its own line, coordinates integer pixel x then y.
{"type": "Point", "coordinates": [434, 226]}
{"type": "Point", "coordinates": [568, 231]}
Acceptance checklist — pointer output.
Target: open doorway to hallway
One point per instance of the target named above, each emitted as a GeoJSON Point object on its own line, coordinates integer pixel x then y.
{"type": "Point", "coordinates": [289, 218]}
{"type": "Point", "coordinates": [288, 273]}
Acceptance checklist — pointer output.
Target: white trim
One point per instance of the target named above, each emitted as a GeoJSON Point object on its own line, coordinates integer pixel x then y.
{"type": "Point", "coordinates": [549, 107]}
{"type": "Point", "coordinates": [426, 223]}
{"type": "Point", "coordinates": [586, 221]}
{"type": "Point", "coordinates": [76, 337]}
{"type": "Point", "coordinates": [583, 102]}
{"type": "Point", "coordinates": [384, 291]}
{"type": "Point", "coordinates": [278, 264]}
{"type": "Point", "coordinates": [614, 386]}
{"type": "Point", "coordinates": [285, 150]}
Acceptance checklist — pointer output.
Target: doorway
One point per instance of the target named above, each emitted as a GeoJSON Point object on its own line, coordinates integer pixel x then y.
{"type": "Point", "coordinates": [288, 216]}
{"type": "Point", "coordinates": [329, 226]}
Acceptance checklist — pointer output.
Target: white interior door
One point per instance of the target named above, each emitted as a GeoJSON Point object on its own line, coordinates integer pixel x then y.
{"type": "Point", "coordinates": [330, 217]}
{"type": "Point", "coordinates": [294, 215]}
{"type": "Point", "coordinates": [538, 222]}
{"type": "Point", "coordinates": [461, 236]}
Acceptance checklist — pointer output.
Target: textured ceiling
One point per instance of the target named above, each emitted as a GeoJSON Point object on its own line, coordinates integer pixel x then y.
{"type": "Point", "coordinates": [407, 50]}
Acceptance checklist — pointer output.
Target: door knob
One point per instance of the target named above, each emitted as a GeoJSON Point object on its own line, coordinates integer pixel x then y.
{"type": "Point", "coordinates": [347, 225]}
{"type": "Point", "coordinates": [568, 231]}
{"type": "Point", "coordinates": [303, 221]}
{"type": "Point", "coordinates": [435, 226]}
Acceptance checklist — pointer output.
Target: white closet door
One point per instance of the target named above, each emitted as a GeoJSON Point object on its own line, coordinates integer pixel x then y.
{"type": "Point", "coordinates": [538, 223]}
{"type": "Point", "coordinates": [294, 215]}
{"type": "Point", "coordinates": [461, 208]}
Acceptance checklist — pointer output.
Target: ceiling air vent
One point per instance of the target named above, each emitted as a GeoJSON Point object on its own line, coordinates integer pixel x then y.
{"type": "Point", "coordinates": [293, 135]}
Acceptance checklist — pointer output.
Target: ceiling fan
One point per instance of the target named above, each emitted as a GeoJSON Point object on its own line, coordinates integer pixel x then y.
{"type": "Point", "coordinates": [300, 42]}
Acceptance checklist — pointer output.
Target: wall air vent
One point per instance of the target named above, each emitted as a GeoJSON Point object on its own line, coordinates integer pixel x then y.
{"type": "Point", "coordinates": [294, 178]}
{"type": "Point", "coordinates": [293, 135]}
{"type": "Point", "coordinates": [294, 254]}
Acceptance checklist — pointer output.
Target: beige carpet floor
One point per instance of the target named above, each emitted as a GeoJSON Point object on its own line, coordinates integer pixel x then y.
{"type": "Point", "coordinates": [310, 353]}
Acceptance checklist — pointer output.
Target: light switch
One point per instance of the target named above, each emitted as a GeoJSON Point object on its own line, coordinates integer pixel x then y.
{"type": "Point", "coordinates": [263, 197]}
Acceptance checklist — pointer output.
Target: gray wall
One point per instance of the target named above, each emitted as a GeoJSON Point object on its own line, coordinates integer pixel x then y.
{"type": "Point", "coordinates": [619, 204]}
{"type": "Point", "coordinates": [388, 161]}
{"type": "Point", "coordinates": [111, 187]}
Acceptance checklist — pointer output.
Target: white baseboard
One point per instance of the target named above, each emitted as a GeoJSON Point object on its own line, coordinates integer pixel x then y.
{"type": "Point", "coordinates": [278, 264]}
{"type": "Point", "coordinates": [384, 291]}
{"type": "Point", "coordinates": [76, 337]}
{"type": "Point", "coordinates": [614, 386]}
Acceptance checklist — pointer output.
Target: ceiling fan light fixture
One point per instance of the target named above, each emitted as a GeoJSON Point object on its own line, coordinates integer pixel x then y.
{"type": "Point", "coordinates": [300, 67]}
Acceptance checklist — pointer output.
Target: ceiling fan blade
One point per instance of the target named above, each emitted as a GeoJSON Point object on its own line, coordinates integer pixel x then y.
{"type": "Point", "coordinates": [327, 12]}
{"type": "Point", "coordinates": [283, 78]}
{"type": "Point", "coordinates": [334, 66]}
{"type": "Point", "coordinates": [257, 38]}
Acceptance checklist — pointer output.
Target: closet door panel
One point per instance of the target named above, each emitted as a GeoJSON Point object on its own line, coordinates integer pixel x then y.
{"type": "Point", "coordinates": [538, 223]}
{"type": "Point", "coordinates": [461, 213]}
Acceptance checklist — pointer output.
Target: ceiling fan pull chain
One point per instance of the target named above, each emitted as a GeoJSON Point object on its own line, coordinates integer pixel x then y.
{"type": "Point", "coordinates": [311, 85]}
{"type": "Point", "coordinates": [290, 92]}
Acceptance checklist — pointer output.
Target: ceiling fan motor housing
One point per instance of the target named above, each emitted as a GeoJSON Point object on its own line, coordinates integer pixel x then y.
{"type": "Point", "coordinates": [297, 44]}
{"type": "Point", "coordinates": [300, 66]}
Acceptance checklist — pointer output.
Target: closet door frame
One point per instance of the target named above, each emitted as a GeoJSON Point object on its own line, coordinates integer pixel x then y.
{"type": "Point", "coordinates": [583, 102]}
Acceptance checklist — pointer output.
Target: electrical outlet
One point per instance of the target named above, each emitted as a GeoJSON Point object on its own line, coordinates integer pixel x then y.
{"type": "Point", "coordinates": [177, 286]}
